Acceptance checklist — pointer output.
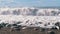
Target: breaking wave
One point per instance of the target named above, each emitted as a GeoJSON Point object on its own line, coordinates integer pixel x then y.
{"type": "Point", "coordinates": [30, 11]}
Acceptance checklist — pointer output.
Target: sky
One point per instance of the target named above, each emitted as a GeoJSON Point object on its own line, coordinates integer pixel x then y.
{"type": "Point", "coordinates": [29, 3]}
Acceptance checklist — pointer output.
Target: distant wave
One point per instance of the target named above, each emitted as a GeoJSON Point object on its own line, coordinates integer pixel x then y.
{"type": "Point", "coordinates": [30, 11]}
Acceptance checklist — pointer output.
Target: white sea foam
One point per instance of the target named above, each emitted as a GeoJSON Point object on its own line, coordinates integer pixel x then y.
{"type": "Point", "coordinates": [30, 11]}
{"type": "Point", "coordinates": [30, 16]}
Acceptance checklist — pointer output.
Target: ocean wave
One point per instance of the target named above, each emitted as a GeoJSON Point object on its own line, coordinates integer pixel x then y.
{"type": "Point", "coordinates": [30, 11]}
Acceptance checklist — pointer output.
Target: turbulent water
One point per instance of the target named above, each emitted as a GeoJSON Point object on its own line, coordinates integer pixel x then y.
{"type": "Point", "coordinates": [26, 13]}
{"type": "Point", "coordinates": [30, 11]}
{"type": "Point", "coordinates": [29, 16]}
